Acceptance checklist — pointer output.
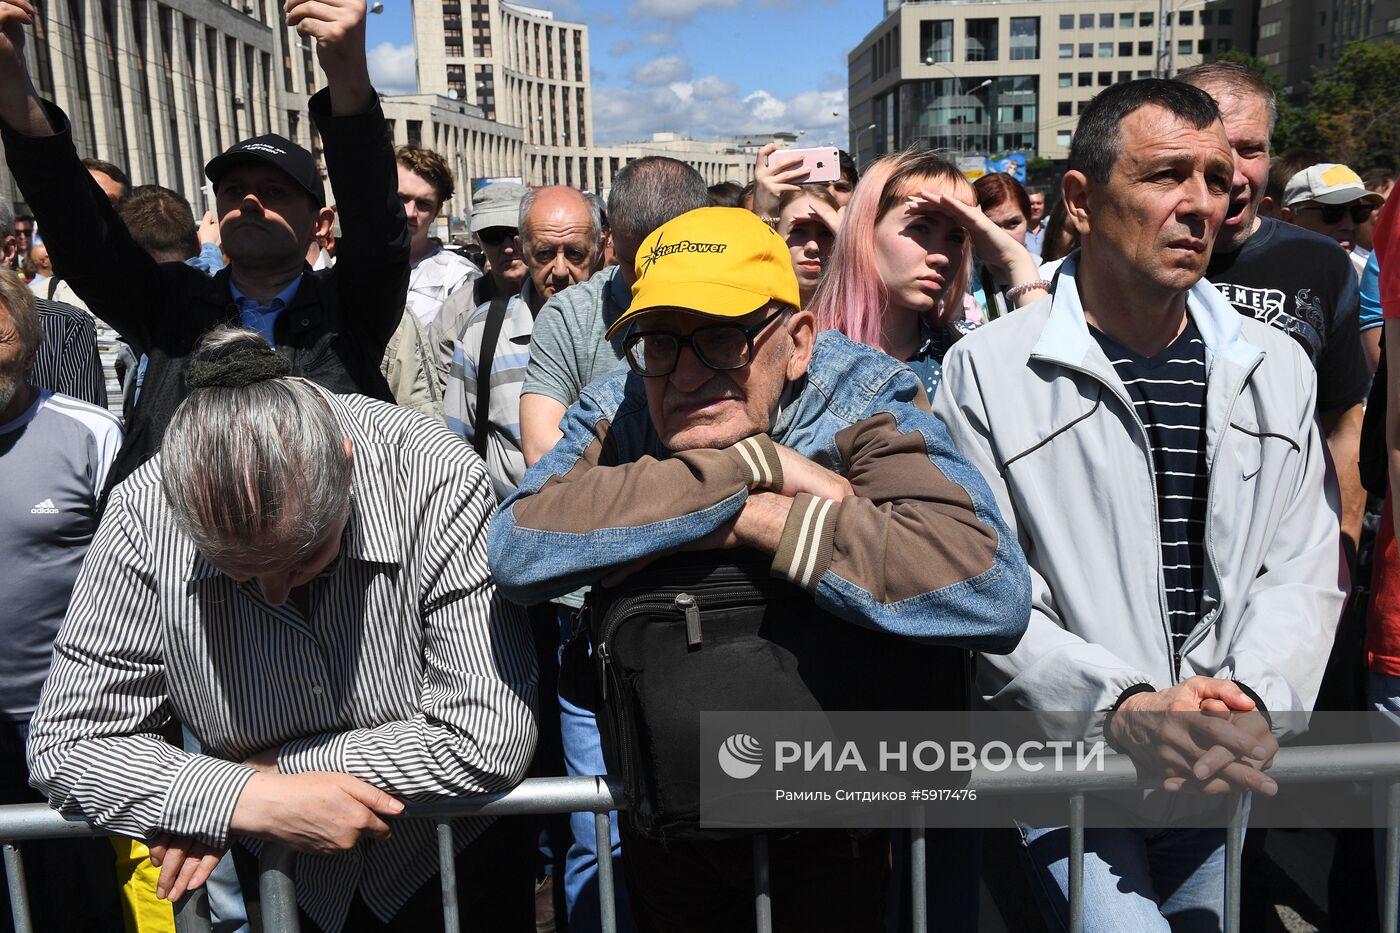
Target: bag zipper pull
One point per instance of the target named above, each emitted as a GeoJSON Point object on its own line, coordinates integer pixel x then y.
{"type": "Point", "coordinates": [603, 653]}
{"type": "Point", "coordinates": [686, 603]}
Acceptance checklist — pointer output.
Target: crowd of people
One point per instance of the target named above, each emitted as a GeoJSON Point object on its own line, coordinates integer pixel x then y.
{"type": "Point", "coordinates": [305, 511]}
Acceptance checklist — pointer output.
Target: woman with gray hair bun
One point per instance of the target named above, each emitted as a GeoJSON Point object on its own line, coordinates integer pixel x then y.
{"type": "Point", "coordinates": [300, 578]}
{"type": "Point", "coordinates": [255, 469]}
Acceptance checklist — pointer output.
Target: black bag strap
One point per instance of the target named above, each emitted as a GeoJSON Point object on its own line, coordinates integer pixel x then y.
{"type": "Point", "coordinates": [53, 286]}
{"type": "Point", "coordinates": [495, 318]}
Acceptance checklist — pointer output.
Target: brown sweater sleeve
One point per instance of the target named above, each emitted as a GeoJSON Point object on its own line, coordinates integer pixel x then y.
{"type": "Point", "coordinates": [597, 492]}
{"type": "Point", "coordinates": [907, 530]}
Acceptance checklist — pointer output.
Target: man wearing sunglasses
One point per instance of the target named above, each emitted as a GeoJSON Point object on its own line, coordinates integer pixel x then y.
{"type": "Point", "coordinates": [1331, 200]}
{"type": "Point", "coordinates": [737, 426]}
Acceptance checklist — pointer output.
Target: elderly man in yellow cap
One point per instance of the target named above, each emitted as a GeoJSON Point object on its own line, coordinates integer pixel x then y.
{"type": "Point", "coordinates": [739, 426]}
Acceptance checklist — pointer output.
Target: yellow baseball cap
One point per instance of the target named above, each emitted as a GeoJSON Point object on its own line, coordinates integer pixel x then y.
{"type": "Point", "coordinates": [717, 261]}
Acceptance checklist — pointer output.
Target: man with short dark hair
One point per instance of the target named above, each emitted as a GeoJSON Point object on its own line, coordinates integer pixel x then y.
{"type": "Point", "coordinates": [1035, 231]}
{"type": "Point", "coordinates": [711, 443]}
{"type": "Point", "coordinates": [332, 325]}
{"type": "Point", "coordinates": [114, 182]}
{"type": "Point", "coordinates": [425, 185]}
{"type": "Point", "coordinates": [1290, 279]}
{"type": "Point", "coordinates": [1185, 557]}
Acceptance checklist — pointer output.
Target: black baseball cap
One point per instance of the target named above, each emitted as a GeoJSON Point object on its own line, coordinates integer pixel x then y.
{"type": "Point", "coordinates": [277, 151]}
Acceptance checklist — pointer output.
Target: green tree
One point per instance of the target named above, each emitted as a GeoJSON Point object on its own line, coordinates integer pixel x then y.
{"type": "Point", "coordinates": [1354, 108]}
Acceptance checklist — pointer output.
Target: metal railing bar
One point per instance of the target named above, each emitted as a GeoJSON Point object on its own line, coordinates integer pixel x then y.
{"type": "Point", "coordinates": [607, 891]}
{"type": "Point", "coordinates": [762, 891]}
{"type": "Point", "coordinates": [1076, 863]}
{"type": "Point", "coordinates": [192, 913]}
{"type": "Point", "coordinates": [537, 795]}
{"type": "Point", "coordinates": [19, 893]}
{"type": "Point", "coordinates": [277, 887]}
{"type": "Point", "coordinates": [447, 868]}
{"type": "Point", "coordinates": [918, 875]}
{"type": "Point", "coordinates": [1391, 917]}
{"type": "Point", "coordinates": [1234, 855]}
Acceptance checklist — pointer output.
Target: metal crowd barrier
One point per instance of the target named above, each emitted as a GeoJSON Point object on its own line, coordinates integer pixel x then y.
{"type": "Point", "coordinates": [1378, 762]}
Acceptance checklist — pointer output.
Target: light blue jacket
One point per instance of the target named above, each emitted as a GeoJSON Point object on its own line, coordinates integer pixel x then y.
{"type": "Point", "coordinates": [1035, 404]}
{"type": "Point", "coordinates": [921, 550]}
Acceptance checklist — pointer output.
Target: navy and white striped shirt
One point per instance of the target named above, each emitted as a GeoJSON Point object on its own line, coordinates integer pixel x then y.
{"type": "Point", "coordinates": [409, 672]}
{"type": "Point", "coordinates": [1168, 392]}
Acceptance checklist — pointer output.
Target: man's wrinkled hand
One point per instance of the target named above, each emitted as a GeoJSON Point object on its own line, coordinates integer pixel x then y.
{"type": "Point", "coordinates": [1204, 733]}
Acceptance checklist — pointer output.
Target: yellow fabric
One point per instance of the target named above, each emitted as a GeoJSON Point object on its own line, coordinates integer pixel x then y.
{"type": "Point", "coordinates": [142, 911]}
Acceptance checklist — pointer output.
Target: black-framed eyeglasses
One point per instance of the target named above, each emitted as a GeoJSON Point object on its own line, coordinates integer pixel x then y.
{"type": "Point", "coordinates": [495, 236]}
{"type": "Point", "coordinates": [1333, 213]}
{"type": "Point", "coordinates": [721, 347]}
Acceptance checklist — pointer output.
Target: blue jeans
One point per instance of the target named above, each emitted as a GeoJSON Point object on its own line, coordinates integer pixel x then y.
{"type": "Point", "coordinates": [1383, 692]}
{"type": "Point", "coordinates": [583, 754]}
{"type": "Point", "coordinates": [1144, 881]}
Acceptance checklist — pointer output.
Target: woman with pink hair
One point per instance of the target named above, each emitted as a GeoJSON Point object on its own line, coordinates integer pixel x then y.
{"type": "Point", "coordinates": [899, 270]}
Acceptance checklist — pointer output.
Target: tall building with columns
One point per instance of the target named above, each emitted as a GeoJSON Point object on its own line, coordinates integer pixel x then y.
{"type": "Point", "coordinates": [523, 68]}
{"type": "Point", "coordinates": [159, 87]}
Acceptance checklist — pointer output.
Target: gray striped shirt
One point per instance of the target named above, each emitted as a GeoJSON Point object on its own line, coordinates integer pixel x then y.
{"type": "Point", "coordinates": [410, 673]}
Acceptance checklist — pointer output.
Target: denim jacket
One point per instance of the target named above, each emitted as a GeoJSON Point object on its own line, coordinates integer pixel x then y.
{"type": "Point", "coordinates": [921, 549]}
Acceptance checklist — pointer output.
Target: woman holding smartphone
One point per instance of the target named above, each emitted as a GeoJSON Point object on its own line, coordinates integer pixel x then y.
{"type": "Point", "coordinates": [901, 263]}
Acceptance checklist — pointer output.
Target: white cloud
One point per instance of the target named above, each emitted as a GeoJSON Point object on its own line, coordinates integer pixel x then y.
{"type": "Point", "coordinates": [665, 70]}
{"type": "Point", "coordinates": [393, 68]}
{"type": "Point", "coordinates": [712, 88]}
{"type": "Point", "coordinates": [711, 107]}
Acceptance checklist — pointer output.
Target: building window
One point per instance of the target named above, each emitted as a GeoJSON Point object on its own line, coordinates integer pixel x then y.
{"type": "Point", "coordinates": [1222, 46]}
{"type": "Point", "coordinates": [1105, 50]}
{"type": "Point", "coordinates": [1066, 49]}
{"type": "Point", "coordinates": [1144, 19]}
{"type": "Point", "coordinates": [1124, 76]}
{"type": "Point", "coordinates": [1065, 108]}
{"type": "Point", "coordinates": [1086, 79]}
{"type": "Point", "coordinates": [1227, 17]}
{"type": "Point", "coordinates": [1144, 48]}
{"type": "Point", "coordinates": [1183, 46]}
{"type": "Point", "coordinates": [1083, 104]}
{"type": "Point", "coordinates": [1144, 74]}
{"type": "Point", "coordinates": [1105, 20]}
{"type": "Point", "coordinates": [1066, 79]}
{"type": "Point", "coordinates": [1105, 78]}
{"type": "Point", "coordinates": [936, 40]}
{"type": "Point", "coordinates": [1187, 18]}
{"type": "Point", "coordinates": [982, 40]}
{"type": "Point", "coordinates": [1086, 50]}
{"type": "Point", "coordinates": [1062, 138]}
{"type": "Point", "coordinates": [415, 132]}
{"type": "Point", "coordinates": [1025, 38]}
{"type": "Point", "coordinates": [1125, 49]}
{"type": "Point", "coordinates": [1203, 47]}
{"type": "Point", "coordinates": [1125, 21]}
{"type": "Point", "coordinates": [1066, 20]}
{"type": "Point", "coordinates": [1086, 20]}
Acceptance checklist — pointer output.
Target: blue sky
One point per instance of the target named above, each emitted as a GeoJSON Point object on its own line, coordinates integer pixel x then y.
{"type": "Point", "coordinates": [702, 67]}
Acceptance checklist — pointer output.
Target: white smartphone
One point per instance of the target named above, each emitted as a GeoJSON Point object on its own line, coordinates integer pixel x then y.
{"type": "Point", "coordinates": [823, 163]}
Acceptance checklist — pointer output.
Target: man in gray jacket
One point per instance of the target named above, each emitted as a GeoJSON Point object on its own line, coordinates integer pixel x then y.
{"type": "Point", "coordinates": [1157, 455]}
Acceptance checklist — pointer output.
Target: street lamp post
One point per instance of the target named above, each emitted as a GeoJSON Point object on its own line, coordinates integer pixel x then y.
{"type": "Point", "coordinates": [856, 143]}
{"type": "Point", "coordinates": [1166, 35]}
{"type": "Point", "coordinates": [986, 83]}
